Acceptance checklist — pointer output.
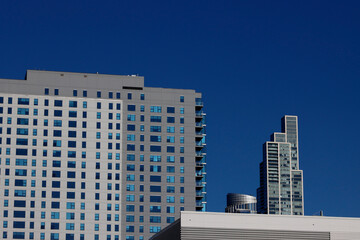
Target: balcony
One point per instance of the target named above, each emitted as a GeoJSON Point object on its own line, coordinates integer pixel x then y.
{"type": "Point", "coordinates": [200, 184]}
{"type": "Point", "coordinates": [199, 114]}
{"type": "Point", "coordinates": [199, 102]}
{"type": "Point", "coordinates": [201, 132]}
{"type": "Point", "coordinates": [200, 153]}
{"type": "Point", "coordinates": [200, 124]}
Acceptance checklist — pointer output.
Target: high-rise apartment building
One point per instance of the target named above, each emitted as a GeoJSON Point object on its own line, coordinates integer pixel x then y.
{"type": "Point", "coordinates": [93, 156]}
{"type": "Point", "coordinates": [281, 181]}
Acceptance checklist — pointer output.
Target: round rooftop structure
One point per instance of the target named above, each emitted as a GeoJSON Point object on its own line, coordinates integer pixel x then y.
{"type": "Point", "coordinates": [240, 203]}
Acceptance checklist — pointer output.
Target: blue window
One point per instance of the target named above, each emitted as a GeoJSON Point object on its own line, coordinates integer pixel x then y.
{"type": "Point", "coordinates": [129, 96]}
{"type": "Point", "coordinates": [56, 153]}
{"type": "Point", "coordinates": [155, 188]}
{"type": "Point", "coordinates": [170, 189]}
{"type": "Point", "coordinates": [170, 149]}
{"type": "Point", "coordinates": [131, 127]}
{"type": "Point", "coordinates": [57, 133]}
{"type": "Point", "coordinates": [111, 94]}
{"type": "Point", "coordinates": [170, 219]}
{"type": "Point", "coordinates": [171, 119]}
{"type": "Point", "coordinates": [155, 168]}
{"type": "Point", "coordinates": [154, 178]}
{"type": "Point", "coordinates": [170, 139]}
{"type": "Point", "coordinates": [182, 98]}
{"type": "Point", "coordinates": [23, 101]}
{"type": "Point", "coordinates": [155, 138]}
{"type": "Point", "coordinates": [73, 104]}
{"type": "Point", "coordinates": [130, 167]}
{"type": "Point", "coordinates": [170, 129]}
{"type": "Point", "coordinates": [131, 147]}
{"type": "Point", "coordinates": [155, 198]}
{"type": "Point", "coordinates": [170, 109]}
{"type": "Point", "coordinates": [57, 123]}
{"type": "Point", "coordinates": [118, 95]}
{"type": "Point", "coordinates": [58, 113]}
{"type": "Point", "coordinates": [22, 111]}
{"type": "Point", "coordinates": [131, 107]}
{"type": "Point", "coordinates": [56, 91]}
{"type": "Point", "coordinates": [84, 93]}
{"type": "Point", "coordinates": [72, 134]}
{"type": "Point", "coordinates": [58, 103]}
{"type": "Point", "coordinates": [131, 117]}
{"type": "Point", "coordinates": [170, 209]}
{"type": "Point", "coordinates": [130, 208]}
{"type": "Point", "coordinates": [46, 91]}
{"type": "Point", "coordinates": [155, 118]}
{"type": "Point", "coordinates": [155, 109]}
{"type": "Point", "coordinates": [154, 148]}
{"type": "Point", "coordinates": [72, 124]}
{"type": "Point", "coordinates": [170, 169]}
{"type": "Point", "coordinates": [170, 199]}
{"type": "Point", "coordinates": [21, 152]}
{"type": "Point", "coordinates": [170, 179]}
{"type": "Point", "coordinates": [155, 158]}
{"type": "Point", "coordinates": [155, 219]}
{"type": "Point", "coordinates": [73, 114]}
{"type": "Point", "coordinates": [98, 94]}
{"type": "Point", "coordinates": [155, 209]}
{"type": "Point", "coordinates": [130, 157]}
{"type": "Point", "coordinates": [155, 128]}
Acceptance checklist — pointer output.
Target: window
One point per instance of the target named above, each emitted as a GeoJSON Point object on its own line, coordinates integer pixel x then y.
{"type": "Point", "coordinates": [182, 98]}
{"type": "Point", "coordinates": [170, 139]}
{"type": "Point", "coordinates": [156, 109]}
{"type": "Point", "coordinates": [84, 93]}
{"type": "Point", "coordinates": [170, 109]}
{"type": "Point", "coordinates": [170, 209]}
{"type": "Point", "coordinates": [170, 199]}
{"type": "Point", "coordinates": [155, 118]}
{"type": "Point", "coordinates": [170, 179]}
{"type": "Point", "coordinates": [155, 188]}
{"type": "Point", "coordinates": [171, 119]}
{"type": "Point", "coordinates": [170, 129]}
{"type": "Point", "coordinates": [170, 149]}
{"type": "Point", "coordinates": [155, 138]}
{"type": "Point", "coordinates": [131, 107]}
{"type": "Point", "coordinates": [73, 104]}
{"type": "Point", "coordinates": [154, 148]}
{"type": "Point", "coordinates": [56, 92]}
{"type": "Point", "coordinates": [131, 117]}
{"type": "Point", "coordinates": [155, 128]}
{"type": "Point", "coordinates": [131, 127]}
{"type": "Point", "coordinates": [98, 94]}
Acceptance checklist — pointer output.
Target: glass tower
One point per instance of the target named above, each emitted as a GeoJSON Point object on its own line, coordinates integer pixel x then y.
{"type": "Point", "coordinates": [95, 156]}
{"type": "Point", "coordinates": [281, 180]}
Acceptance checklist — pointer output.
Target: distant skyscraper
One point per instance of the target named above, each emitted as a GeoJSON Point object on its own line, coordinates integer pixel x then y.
{"type": "Point", "coordinates": [95, 156]}
{"type": "Point", "coordinates": [240, 203]}
{"type": "Point", "coordinates": [281, 181]}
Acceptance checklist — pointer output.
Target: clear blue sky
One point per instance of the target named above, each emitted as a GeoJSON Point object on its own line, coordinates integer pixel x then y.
{"type": "Point", "coordinates": [254, 61]}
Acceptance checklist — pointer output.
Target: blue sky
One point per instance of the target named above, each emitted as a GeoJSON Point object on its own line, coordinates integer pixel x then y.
{"type": "Point", "coordinates": [254, 61]}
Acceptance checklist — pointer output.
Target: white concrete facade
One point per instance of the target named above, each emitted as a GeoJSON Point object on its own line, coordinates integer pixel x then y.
{"type": "Point", "coordinates": [209, 226]}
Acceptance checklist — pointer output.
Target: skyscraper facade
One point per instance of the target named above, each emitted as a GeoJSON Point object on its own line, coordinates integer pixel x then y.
{"type": "Point", "coordinates": [281, 180]}
{"type": "Point", "coordinates": [97, 156]}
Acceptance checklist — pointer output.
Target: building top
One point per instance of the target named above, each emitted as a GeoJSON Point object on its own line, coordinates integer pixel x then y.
{"type": "Point", "coordinates": [269, 222]}
{"type": "Point", "coordinates": [36, 79]}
